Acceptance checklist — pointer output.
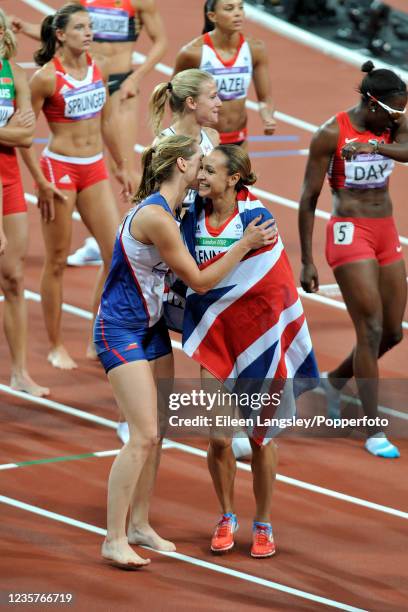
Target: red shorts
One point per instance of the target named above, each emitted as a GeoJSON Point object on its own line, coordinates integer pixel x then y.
{"type": "Point", "coordinates": [351, 239]}
{"type": "Point", "coordinates": [12, 187]}
{"type": "Point", "coordinates": [237, 137]}
{"type": "Point", "coordinates": [73, 173]}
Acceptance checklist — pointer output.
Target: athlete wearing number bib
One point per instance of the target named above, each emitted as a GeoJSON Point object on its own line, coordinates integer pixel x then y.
{"type": "Point", "coordinates": [211, 241]}
{"type": "Point", "coordinates": [13, 193]}
{"type": "Point", "coordinates": [74, 100]}
{"type": "Point", "coordinates": [114, 21]}
{"type": "Point", "coordinates": [354, 238]}
{"type": "Point", "coordinates": [233, 77]}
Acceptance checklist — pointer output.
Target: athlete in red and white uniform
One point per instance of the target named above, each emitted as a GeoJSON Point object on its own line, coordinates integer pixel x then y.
{"type": "Point", "coordinates": [70, 89]}
{"type": "Point", "coordinates": [357, 149]}
{"type": "Point", "coordinates": [233, 60]}
{"type": "Point", "coordinates": [116, 26]}
{"type": "Point", "coordinates": [17, 122]}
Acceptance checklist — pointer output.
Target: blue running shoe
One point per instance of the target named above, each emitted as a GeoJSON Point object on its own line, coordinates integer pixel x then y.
{"type": "Point", "coordinates": [380, 446]}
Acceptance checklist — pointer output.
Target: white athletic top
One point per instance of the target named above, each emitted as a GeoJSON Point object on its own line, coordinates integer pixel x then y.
{"type": "Point", "coordinates": [233, 77]}
{"type": "Point", "coordinates": [210, 242]}
{"type": "Point", "coordinates": [206, 146]}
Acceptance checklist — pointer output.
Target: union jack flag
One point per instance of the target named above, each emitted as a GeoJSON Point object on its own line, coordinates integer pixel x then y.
{"type": "Point", "coordinates": [252, 324]}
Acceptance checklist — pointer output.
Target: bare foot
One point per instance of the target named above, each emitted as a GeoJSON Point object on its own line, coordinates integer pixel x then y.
{"type": "Point", "coordinates": [119, 554]}
{"type": "Point", "coordinates": [91, 352]}
{"type": "Point", "coordinates": [59, 358]}
{"type": "Point", "coordinates": [148, 537]}
{"type": "Point", "coordinates": [24, 382]}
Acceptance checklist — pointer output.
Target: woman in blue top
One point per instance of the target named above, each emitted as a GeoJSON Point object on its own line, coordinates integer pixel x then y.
{"type": "Point", "coordinates": [131, 339]}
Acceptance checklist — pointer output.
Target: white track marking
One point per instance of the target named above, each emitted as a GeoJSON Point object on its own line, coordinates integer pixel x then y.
{"type": "Point", "coordinates": [61, 518]}
{"type": "Point", "coordinates": [201, 453]}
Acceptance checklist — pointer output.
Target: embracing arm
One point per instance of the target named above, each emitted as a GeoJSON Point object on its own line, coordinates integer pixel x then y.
{"type": "Point", "coordinates": [263, 87]}
{"type": "Point", "coordinates": [20, 129]}
{"type": "Point", "coordinates": [322, 148]}
{"type": "Point", "coordinates": [160, 229]}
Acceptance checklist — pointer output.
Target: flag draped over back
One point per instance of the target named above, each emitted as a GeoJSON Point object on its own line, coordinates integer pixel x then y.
{"type": "Point", "coordinates": [252, 324]}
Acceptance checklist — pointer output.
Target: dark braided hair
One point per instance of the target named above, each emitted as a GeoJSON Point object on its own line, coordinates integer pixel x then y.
{"type": "Point", "coordinates": [381, 83]}
{"type": "Point", "coordinates": [209, 7]}
{"type": "Point", "coordinates": [50, 24]}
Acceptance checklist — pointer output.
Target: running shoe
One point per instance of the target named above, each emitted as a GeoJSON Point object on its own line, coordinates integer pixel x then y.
{"type": "Point", "coordinates": [87, 255]}
{"type": "Point", "coordinates": [262, 541]}
{"type": "Point", "coordinates": [333, 396]}
{"type": "Point", "coordinates": [122, 431]}
{"type": "Point", "coordinates": [380, 446]}
{"type": "Point", "coordinates": [223, 538]}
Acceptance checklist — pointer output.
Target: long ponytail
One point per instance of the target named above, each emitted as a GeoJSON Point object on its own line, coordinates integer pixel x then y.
{"type": "Point", "coordinates": [158, 162]}
{"type": "Point", "coordinates": [185, 84]}
{"type": "Point", "coordinates": [49, 28]}
{"type": "Point", "coordinates": [209, 7]}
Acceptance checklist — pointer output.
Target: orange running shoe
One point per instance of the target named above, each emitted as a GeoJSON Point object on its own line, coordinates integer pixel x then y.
{"type": "Point", "coordinates": [223, 538]}
{"type": "Point", "coordinates": [262, 542]}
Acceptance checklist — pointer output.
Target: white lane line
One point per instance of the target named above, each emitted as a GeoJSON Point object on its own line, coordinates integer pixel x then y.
{"type": "Point", "coordinates": [201, 453]}
{"type": "Point", "coordinates": [301, 484]}
{"type": "Point", "coordinates": [314, 41]}
{"type": "Point", "coordinates": [43, 401]}
{"type": "Point", "coordinates": [61, 518]}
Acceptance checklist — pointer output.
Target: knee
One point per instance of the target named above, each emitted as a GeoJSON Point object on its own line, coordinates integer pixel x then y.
{"type": "Point", "coordinates": [12, 283]}
{"type": "Point", "coordinates": [371, 333]}
{"type": "Point", "coordinates": [219, 445]}
{"type": "Point", "coordinates": [392, 338]}
{"type": "Point", "coordinates": [55, 265]}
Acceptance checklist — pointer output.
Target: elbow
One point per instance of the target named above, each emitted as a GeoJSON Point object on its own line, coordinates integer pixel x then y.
{"type": "Point", "coordinates": [26, 142]}
{"type": "Point", "coordinates": [200, 289]}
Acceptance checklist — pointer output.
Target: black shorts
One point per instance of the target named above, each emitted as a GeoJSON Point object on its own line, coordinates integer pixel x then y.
{"type": "Point", "coordinates": [116, 80]}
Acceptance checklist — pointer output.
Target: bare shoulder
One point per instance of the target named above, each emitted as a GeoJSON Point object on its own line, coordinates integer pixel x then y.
{"type": "Point", "coordinates": [44, 78]}
{"type": "Point", "coordinates": [326, 137]}
{"type": "Point", "coordinates": [193, 48]}
{"type": "Point", "coordinates": [153, 221]}
{"type": "Point", "coordinates": [213, 135]}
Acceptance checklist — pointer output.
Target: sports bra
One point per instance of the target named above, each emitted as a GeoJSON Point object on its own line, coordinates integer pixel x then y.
{"type": "Point", "coordinates": [113, 20]}
{"type": "Point", "coordinates": [365, 171]}
{"type": "Point", "coordinates": [233, 77]}
{"type": "Point", "coordinates": [75, 100]}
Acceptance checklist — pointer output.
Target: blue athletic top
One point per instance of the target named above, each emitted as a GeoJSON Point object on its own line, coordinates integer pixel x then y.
{"type": "Point", "coordinates": [133, 292]}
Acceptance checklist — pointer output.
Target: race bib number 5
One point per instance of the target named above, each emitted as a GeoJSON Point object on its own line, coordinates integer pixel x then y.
{"type": "Point", "coordinates": [343, 232]}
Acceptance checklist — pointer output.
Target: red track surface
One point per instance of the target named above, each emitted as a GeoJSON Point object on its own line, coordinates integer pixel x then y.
{"type": "Point", "coordinates": [326, 546]}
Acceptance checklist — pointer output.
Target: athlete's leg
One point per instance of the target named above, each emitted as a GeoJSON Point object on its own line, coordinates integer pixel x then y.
{"type": "Point", "coordinates": [140, 410]}
{"type": "Point", "coordinates": [221, 460]}
{"type": "Point", "coordinates": [15, 314]}
{"type": "Point", "coordinates": [264, 463]}
{"type": "Point", "coordinates": [57, 240]}
{"type": "Point", "coordinates": [139, 529]}
{"type": "Point", "coordinates": [359, 284]}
